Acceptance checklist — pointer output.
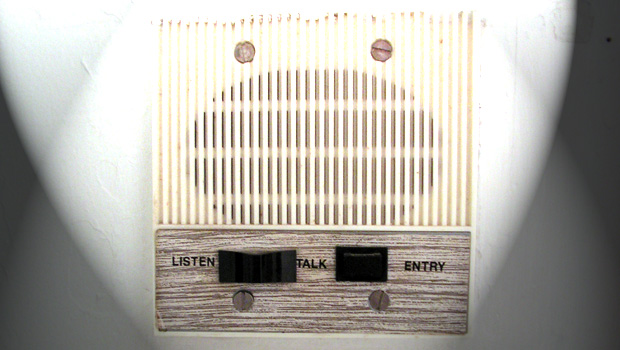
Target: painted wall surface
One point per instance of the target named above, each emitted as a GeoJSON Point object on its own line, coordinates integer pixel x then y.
{"type": "Point", "coordinates": [76, 245]}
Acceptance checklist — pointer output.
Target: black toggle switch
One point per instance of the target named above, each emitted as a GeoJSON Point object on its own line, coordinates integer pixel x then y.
{"type": "Point", "coordinates": [361, 264]}
{"type": "Point", "coordinates": [236, 267]}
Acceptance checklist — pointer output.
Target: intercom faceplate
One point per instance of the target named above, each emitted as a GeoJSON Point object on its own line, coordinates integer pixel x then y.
{"type": "Point", "coordinates": [344, 143]}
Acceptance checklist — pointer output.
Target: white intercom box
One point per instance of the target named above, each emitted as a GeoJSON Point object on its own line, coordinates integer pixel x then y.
{"type": "Point", "coordinates": [315, 174]}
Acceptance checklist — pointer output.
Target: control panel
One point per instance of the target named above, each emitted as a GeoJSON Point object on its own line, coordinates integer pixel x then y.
{"type": "Point", "coordinates": [340, 282]}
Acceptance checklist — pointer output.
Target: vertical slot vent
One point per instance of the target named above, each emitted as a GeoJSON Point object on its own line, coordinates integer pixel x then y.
{"type": "Point", "coordinates": [312, 130]}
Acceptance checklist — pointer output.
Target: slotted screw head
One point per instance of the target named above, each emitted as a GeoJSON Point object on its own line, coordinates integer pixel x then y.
{"type": "Point", "coordinates": [379, 300]}
{"type": "Point", "coordinates": [244, 52]}
{"type": "Point", "coordinates": [243, 300]}
{"type": "Point", "coordinates": [381, 50]}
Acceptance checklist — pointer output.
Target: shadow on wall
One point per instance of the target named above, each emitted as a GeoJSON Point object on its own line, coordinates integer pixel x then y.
{"type": "Point", "coordinates": [589, 123]}
{"type": "Point", "coordinates": [49, 296]}
{"type": "Point", "coordinates": [559, 286]}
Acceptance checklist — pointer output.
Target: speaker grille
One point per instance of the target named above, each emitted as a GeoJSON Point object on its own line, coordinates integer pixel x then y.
{"type": "Point", "coordinates": [313, 131]}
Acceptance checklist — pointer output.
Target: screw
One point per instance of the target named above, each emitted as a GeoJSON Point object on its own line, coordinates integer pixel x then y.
{"type": "Point", "coordinates": [381, 50]}
{"type": "Point", "coordinates": [243, 300]}
{"type": "Point", "coordinates": [379, 300]}
{"type": "Point", "coordinates": [244, 52]}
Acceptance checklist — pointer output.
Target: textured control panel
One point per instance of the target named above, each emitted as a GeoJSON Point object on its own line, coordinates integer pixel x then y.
{"type": "Point", "coordinates": [312, 282]}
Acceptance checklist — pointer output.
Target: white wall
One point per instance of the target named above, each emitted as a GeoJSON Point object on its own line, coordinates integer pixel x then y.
{"type": "Point", "coordinates": [76, 249]}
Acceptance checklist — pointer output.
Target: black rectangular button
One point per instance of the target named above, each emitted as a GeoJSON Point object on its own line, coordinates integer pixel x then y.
{"type": "Point", "coordinates": [274, 267]}
{"type": "Point", "coordinates": [361, 264]}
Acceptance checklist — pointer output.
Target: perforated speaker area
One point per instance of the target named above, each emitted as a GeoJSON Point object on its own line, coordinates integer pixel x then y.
{"type": "Point", "coordinates": [313, 131]}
